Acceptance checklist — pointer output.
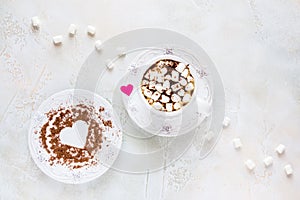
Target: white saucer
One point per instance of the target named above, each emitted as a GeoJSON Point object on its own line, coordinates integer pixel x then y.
{"type": "Point", "coordinates": [105, 156]}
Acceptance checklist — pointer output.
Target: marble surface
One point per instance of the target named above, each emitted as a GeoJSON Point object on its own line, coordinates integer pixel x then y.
{"type": "Point", "coordinates": [254, 44]}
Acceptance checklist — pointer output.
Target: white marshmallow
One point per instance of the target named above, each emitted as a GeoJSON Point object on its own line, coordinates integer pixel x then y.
{"type": "Point", "coordinates": [152, 85]}
{"type": "Point", "coordinates": [164, 99]}
{"type": "Point", "coordinates": [175, 98]}
{"type": "Point", "coordinates": [159, 88]}
{"type": "Point", "coordinates": [237, 143]}
{"type": "Point", "coordinates": [189, 87]}
{"type": "Point", "coordinates": [153, 75]}
{"type": "Point", "coordinates": [145, 82]}
{"type": "Point", "coordinates": [164, 71]}
{"type": "Point", "coordinates": [226, 121]}
{"type": "Point", "coordinates": [35, 22]}
{"type": "Point", "coordinates": [186, 98]}
{"type": "Point", "coordinates": [121, 51]}
{"type": "Point", "coordinates": [181, 92]}
{"type": "Point", "coordinates": [250, 164]}
{"type": "Point", "coordinates": [155, 96]}
{"type": "Point", "coordinates": [169, 107]}
{"type": "Point", "coordinates": [166, 84]}
{"type": "Point", "coordinates": [288, 170]}
{"type": "Point", "coordinates": [91, 30]}
{"type": "Point", "coordinates": [168, 92]}
{"type": "Point", "coordinates": [177, 106]}
{"type": "Point", "coordinates": [190, 79]}
{"type": "Point", "coordinates": [148, 93]}
{"type": "Point", "coordinates": [182, 81]}
{"type": "Point", "coordinates": [72, 29]}
{"type": "Point", "coordinates": [185, 73]}
{"type": "Point", "coordinates": [160, 78]}
{"type": "Point", "coordinates": [57, 40]}
{"type": "Point", "coordinates": [157, 105]}
{"type": "Point", "coordinates": [168, 77]}
{"type": "Point", "coordinates": [268, 161]}
{"type": "Point", "coordinates": [98, 45]}
{"type": "Point", "coordinates": [175, 76]}
{"type": "Point", "coordinates": [280, 149]}
{"type": "Point", "coordinates": [180, 67]}
{"type": "Point", "coordinates": [109, 64]}
{"type": "Point", "coordinates": [176, 87]}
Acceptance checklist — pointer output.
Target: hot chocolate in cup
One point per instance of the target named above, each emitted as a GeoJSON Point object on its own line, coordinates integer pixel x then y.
{"type": "Point", "coordinates": [157, 110]}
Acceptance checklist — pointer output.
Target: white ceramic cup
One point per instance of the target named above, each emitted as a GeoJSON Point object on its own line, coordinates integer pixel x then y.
{"type": "Point", "coordinates": [159, 122]}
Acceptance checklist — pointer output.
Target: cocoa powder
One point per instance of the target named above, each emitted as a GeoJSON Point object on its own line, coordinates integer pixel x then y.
{"type": "Point", "coordinates": [63, 117]}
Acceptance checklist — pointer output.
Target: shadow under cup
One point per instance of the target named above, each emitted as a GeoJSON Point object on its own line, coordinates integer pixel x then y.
{"type": "Point", "coordinates": [164, 123]}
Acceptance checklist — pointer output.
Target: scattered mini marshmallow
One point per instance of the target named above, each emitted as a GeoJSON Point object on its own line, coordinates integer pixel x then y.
{"type": "Point", "coordinates": [72, 30]}
{"type": "Point", "coordinates": [57, 40]}
{"type": "Point", "coordinates": [226, 122]}
{"type": "Point", "coordinates": [35, 22]}
{"type": "Point", "coordinates": [91, 30]}
{"type": "Point", "coordinates": [237, 143]}
{"type": "Point", "coordinates": [109, 64]}
{"type": "Point", "coordinates": [121, 51]}
{"type": "Point", "coordinates": [98, 45]}
{"type": "Point", "coordinates": [280, 149]}
{"type": "Point", "coordinates": [268, 161]}
{"type": "Point", "coordinates": [288, 170]}
{"type": "Point", "coordinates": [250, 164]}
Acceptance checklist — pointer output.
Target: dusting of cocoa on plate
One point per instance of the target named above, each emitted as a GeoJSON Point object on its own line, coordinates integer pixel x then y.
{"type": "Point", "coordinates": [63, 117]}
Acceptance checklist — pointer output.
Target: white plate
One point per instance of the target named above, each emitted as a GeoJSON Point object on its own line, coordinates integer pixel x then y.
{"type": "Point", "coordinates": [105, 157]}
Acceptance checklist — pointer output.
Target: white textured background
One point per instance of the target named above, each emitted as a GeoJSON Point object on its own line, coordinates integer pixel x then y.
{"type": "Point", "coordinates": [255, 46]}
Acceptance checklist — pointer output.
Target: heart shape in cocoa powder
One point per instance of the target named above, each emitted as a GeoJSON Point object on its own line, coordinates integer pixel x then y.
{"type": "Point", "coordinates": [76, 135]}
{"type": "Point", "coordinates": [127, 89]}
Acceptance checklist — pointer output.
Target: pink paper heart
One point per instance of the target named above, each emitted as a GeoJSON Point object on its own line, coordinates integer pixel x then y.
{"type": "Point", "coordinates": [127, 89]}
